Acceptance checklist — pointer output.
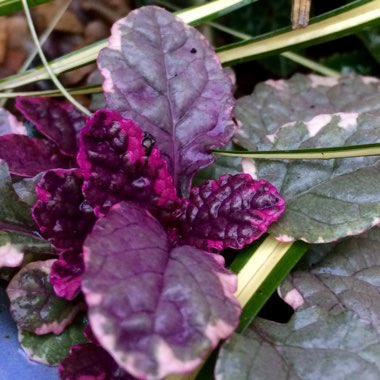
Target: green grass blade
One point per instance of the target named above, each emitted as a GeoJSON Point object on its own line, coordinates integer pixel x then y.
{"type": "Point", "coordinates": [307, 154]}
{"type": "Point", "coordinates": [42, 56]}
{"type": "Point", "coordinates": [10, 6]}
{"type": "Point", "coordinates": [94, 89]}
{"type": "Point", "coordinates": [340, 22]}
{"type": "Point", "coordinates": [209, 11]}
{"type": "Point", "coordinates": [260, 271]}
{"type": "Point", "coordinates": [88, 54]}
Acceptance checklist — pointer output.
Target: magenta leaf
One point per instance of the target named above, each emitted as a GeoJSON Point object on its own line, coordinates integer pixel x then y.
{"type": "Point", "coordinates": [58, 120]}
{"type": "Point", "coordinates": [90, 362]}
{"type": "Point", "coordinates": [27, 156]}
{"type": "Point", "coordinates": [61, 212]}
{"type": "Point", "coordinates": [34, 305]}
{"type": "Point", "coordinates": [66, 274]}
{"type": "Point", "coordinates": [119, 163]}
{"type": "Point", "coordinates": [155, 309]}
{"type": "Point", "coordinates": [229, 212]}
{"type": "Point", "coordinates": [174, 88]}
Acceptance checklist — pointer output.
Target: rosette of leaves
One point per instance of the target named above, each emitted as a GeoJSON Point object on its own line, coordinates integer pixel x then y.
{"type": "Point", "coordinates": [123, 218]}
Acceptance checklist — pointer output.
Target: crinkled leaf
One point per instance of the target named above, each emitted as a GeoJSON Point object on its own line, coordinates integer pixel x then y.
{"type": "Point", "coordinates": [59, 121]}
{"type": "Point", "coordinates": [335, 331]}
{"type": "Point", "coordinates": [66, 274]}
{"type": "Point", "coordinates": [90, 362]}
{"type": "Point", "coordinates": [62, 214]}
{"type": "Point", "coordinates": [51, 349]}
{"type": "Point", "coordinates": [156, 310]}
{"type": "Point", "coordinates": [27, 156]}
{"type": "Point", "coordinates": [120, 163]}
{"type": "Point", "coordinates": [278, 102]}
{"type": "Point", "coordinates": [9, 124]}
{"type": "Point", "coordinates": [325, 200]}
{"type": "Point", "coordinates": [14, 245]}
{"type": "Point", "coordinates": [174, 88]}
{"type": "Point", "coordinates": [34, 305]}
{"type": "Point", "coordinates": [229, 212]}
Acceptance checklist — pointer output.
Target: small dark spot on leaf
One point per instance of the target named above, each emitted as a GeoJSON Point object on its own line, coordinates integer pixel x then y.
{"type": "Point", "coordinates": [193, 51]}
{"type": "Point", "coordinates": [148, 143]}
{"type": "Point", "coordinates": [312, 106]}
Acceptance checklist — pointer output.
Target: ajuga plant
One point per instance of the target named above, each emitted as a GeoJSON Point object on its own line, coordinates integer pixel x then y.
{"type": "Point", "coordinates": [114, 259]}
{"type": "Point", "coordinates": [133, 244]}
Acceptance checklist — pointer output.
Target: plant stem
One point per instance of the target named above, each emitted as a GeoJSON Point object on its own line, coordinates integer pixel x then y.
{"type": "Point", "coordinates": [300, 13]}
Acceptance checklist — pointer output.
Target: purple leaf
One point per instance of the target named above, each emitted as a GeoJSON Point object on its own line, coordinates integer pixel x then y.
{"type": "Point", "coordinates": [90, 362]}
{"type": "Point", "coordinates": [119, 163]}
{"type": "Point", "coordinates": [230, 212]}
{"type": "Point", "coordinates": [66, 274]}
{"type": "Point", "coordinates": [174, 88]}
{"type": "Point", "coordinates": [61, 212]}
{"type": "Point", "coordinates": [34, 306]}
{"type": "Point", "coordinates": [156, 310]}
{"type": "Point", "coordinates": [58, 120]}
{"type": "Point", "coordinates": [9, 124]}
{"type": "Point", "coordinates": [27, 156]}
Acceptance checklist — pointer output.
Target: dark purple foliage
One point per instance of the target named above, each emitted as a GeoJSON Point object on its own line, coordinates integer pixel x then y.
{"type": "Point", "coordinates": [27, 156]}
{"type": "Point", "coordinates": [62, 214]}
{"type": "Point", "coordinates": [165, 76]}
{"type": "Point", "coordinates": [157, 310]}
{"type": "Point", "coordinates": [66, 274]}
{"type": "Point", "coordinates": [58, 120]}
{"type": "Point", "coordinates": [119, 163]}
{"type": "Point", "coordinates": [90, 362]}
{"type": "Point", "coordinates": [229, 212]}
